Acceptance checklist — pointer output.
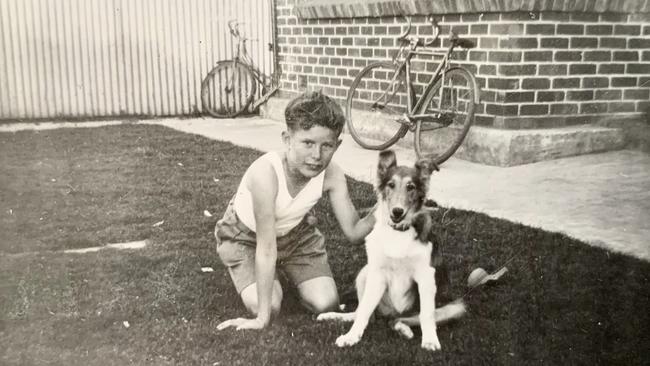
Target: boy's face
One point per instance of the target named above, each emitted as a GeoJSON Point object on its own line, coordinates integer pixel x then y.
{"type": "Point", "coordinates": [310, 151]}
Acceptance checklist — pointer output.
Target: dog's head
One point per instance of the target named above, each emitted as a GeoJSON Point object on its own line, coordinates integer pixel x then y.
{"type": "Point", "coordinates": [402, 189]}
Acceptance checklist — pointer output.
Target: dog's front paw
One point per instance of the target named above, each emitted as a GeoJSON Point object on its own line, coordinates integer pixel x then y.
{"type": "Point", "coordinates": [348, 340]}
{"type": "Point", "coordinates": [431, 344]}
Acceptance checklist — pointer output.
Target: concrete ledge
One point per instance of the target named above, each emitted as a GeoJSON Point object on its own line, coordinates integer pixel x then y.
{"type": "Point", "coordinates": [516, 147]}
{"type": "Point", "coordinates": [500, 147]}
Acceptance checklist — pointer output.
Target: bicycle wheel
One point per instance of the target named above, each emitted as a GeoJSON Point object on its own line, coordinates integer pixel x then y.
{"type": "Point", "coordinates": [451, 109]}
{"type": "Point", "coordinates": [376, 100]}
{"type": "Point", "coordinates": [228, 89]}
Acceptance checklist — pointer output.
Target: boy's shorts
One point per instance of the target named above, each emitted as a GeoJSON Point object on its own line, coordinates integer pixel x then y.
{"type": "Point", "coordinates": [301, 252]}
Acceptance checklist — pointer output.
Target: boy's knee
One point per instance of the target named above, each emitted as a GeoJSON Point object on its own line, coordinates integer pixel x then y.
{"type": "Point", "coordinates": [319, 295]}
{"type": "Point", "coordinates": [325, 305]}
{"type": "Point", "coordinates": [322, 303]}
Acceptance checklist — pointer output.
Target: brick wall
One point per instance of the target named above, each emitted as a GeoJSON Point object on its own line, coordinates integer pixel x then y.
{"type": "Point", "coordinates": [536, 69]}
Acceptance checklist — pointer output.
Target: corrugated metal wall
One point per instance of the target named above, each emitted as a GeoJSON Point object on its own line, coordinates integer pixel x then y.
{"type": "Point", "coordinates": [89, 58]}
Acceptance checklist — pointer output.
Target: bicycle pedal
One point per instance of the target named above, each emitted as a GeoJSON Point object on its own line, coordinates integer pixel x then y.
{"type": "Point", "coordinates": [377, 107]}
{"type": "Point", "coordinates": [404, 120]}
{"type": "Point", "coordinates": [446, 119]}
{"type": "Point", "coordinates": [428, 119]}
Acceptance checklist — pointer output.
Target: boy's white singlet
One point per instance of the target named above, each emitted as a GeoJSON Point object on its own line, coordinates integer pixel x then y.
{"type": "Point", "coordinates": [289, 211]}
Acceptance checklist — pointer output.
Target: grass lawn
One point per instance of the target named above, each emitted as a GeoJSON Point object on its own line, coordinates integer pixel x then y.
{"type": "Point", "coordinates": [561, 303]}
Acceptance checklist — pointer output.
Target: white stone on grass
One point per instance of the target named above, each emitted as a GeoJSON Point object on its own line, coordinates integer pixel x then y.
{"type": "Point", "coordinates": [128, 245]}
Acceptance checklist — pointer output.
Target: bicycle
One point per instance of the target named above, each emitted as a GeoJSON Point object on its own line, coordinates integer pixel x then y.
{"type": "Point", "coordinates": [382, 100]}
{"type": "Point", "coordinates": [229, 88]}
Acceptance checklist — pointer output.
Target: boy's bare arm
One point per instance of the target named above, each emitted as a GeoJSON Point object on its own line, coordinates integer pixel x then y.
{"type": "Point", "coordinates": [354, 228]}
{"type": "Point", "coordinates": [264, 191]}
{"type": "Point", "coordinates": [262, 184]}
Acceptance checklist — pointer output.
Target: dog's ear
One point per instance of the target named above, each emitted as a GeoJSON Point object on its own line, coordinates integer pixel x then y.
{"type": "Point", "coordinates": [387, 161]}
{"type": "Point", "coordinates": [424, 168]}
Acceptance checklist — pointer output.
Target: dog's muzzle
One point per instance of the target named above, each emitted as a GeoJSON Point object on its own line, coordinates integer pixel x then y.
{"type": "Point", "coordinates": [397, 214]}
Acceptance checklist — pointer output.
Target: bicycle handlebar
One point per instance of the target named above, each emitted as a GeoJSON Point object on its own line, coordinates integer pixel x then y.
{"type": "Point", "coordinates": [436, 30]}
{"type": "Point", "coordinates": [405, 36]}
{"type": "Point", "coordinates": [234, 28]}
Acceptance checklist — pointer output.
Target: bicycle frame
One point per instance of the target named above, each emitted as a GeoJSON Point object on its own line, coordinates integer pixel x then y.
{"type": "Point", "coordinates": [237, 85]}
{"type": "Point", "coordinates": [242, 56]}
{"type": "Point", "coordinates": [405, 64]}
{"type": "Point", "coordinates": [413, 106]}
{"type": "Point", "coordinates": [443, 65]}
{"type": "Point", "coordinates": [439, 104]}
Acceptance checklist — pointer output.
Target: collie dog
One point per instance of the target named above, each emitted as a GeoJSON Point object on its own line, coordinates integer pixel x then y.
{"type": "Point", "coordinates": [401, 259]}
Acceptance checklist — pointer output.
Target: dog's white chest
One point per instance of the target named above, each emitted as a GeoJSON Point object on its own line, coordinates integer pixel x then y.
{"type": "Point", "coordinates": [388, 242]}
{"type": "Point", "coordinates": [399, 256]}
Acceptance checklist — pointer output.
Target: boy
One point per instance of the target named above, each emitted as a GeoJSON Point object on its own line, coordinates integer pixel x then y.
{"type": "Point", "coordinates": [267, 224]}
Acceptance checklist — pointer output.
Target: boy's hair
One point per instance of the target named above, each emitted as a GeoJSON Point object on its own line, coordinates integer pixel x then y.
{"type": "Point", "coordinates": [314, 108]}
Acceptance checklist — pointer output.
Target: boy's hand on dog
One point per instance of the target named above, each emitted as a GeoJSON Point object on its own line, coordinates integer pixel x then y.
{"type": "Point", "coordinates": [422, 223]}
{"type": "Point", "coordinates": [401, 226]}
{"type": "Point", "coordinates": [242, 323]}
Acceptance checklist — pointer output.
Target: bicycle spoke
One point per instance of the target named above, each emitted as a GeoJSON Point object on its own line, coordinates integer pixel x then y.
{"type": "Point", "coordinates": [429, 126]}
{"type": "Point", "coordinates": [384, 108]}
{"type": "Point", "coordinates": [450, 103]}
{"type": "Point", "coordinates": [227, 90]}
{"type": "Point", "coordinates": [375, 106]}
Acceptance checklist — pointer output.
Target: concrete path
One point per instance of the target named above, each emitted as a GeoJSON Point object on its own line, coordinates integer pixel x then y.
{"type": "Point", "coordinates": [602, 199]}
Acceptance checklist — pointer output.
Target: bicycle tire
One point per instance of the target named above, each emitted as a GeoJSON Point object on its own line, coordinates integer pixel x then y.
{"type": "Point", "coordinates": [439, 141]}
{"type": "Point", "coordinates": [221, 100]}
{"type": "Point", "coordinates": [369, 127]}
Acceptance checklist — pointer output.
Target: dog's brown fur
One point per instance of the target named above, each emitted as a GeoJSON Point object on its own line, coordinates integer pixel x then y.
{"type": "Point", "coordinates": [401, 258]}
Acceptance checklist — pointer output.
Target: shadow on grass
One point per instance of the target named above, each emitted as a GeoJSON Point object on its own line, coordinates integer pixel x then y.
{"type": "Point", "coordinates": [562, 302]}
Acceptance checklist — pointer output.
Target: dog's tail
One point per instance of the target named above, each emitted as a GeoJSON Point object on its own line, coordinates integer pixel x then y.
{"type": "Point", "coordinates": [451, 311]}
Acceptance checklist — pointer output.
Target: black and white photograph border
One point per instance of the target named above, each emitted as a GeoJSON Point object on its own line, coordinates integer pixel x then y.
{"type": "Point", "coordinates": [126, 127]}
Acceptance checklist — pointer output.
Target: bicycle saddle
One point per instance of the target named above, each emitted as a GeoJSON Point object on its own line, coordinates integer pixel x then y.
{"type": "Point", "coordinates": [462, 42]}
